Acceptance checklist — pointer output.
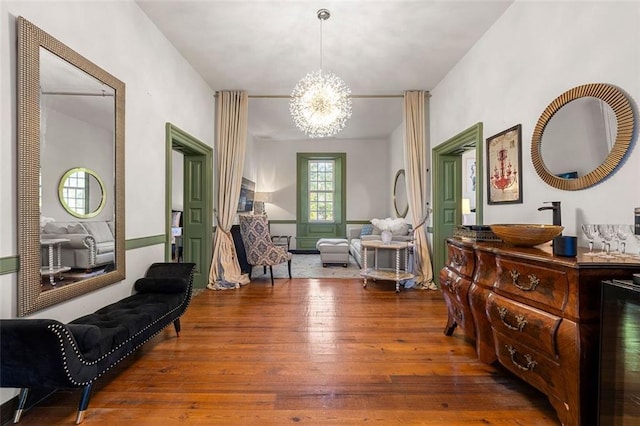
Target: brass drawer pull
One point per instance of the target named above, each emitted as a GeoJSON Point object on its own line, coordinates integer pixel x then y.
{"type": "Point", "coordinates": [458, 260]}
{"type": "Point", "coordinates": [530, 362]}
{"type": "Point", "coordinates": [533, 281]}
{"type": "Point", "coordinates": [520, 319]}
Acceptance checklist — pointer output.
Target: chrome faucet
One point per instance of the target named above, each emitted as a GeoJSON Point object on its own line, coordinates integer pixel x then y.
{"type": "Point", "coordinates": [555, 206]}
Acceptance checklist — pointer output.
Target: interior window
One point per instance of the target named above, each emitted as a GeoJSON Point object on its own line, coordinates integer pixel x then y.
{"type": "Point", "coordinates": [76, 192]}
{"type": "Point", "coordinates": [321, 184]}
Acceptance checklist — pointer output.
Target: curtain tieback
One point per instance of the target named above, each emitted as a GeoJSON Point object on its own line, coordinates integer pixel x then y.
{"type": "Point", "coordinates": [423, 221]}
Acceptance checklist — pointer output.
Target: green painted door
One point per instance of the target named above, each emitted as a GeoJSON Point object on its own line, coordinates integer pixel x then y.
{"type": "Point", "coordinates": [196, 225]}
{"type": "Point", "coordinates": [448, 202]}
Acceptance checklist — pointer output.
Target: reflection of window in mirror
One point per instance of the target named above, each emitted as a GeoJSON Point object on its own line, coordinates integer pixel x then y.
{"type": "Point", "coordinates": [75, 192]}
{"type": "Point", "coordinates": [82, 192]}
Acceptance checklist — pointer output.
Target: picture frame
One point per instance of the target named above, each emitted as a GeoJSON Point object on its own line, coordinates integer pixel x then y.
{"type": "Point", "coordinates": [470, 176]}
{"type": "Point", "coordinates": [504, 166]}
{"type": "Point", "coordinates": [247, 193]}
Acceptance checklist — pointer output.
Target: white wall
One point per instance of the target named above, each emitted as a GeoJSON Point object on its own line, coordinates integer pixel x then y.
{"type": "Point", "coordinates": [369, 178]}
{"type": "Point", "coordinates": [71, 143]}
{"type": "Point", "coordinates": [535, 52]}
{"type": "Point", "coordinates": [160, 87]}
{"type": "Point", "coordinates": [396, 162]}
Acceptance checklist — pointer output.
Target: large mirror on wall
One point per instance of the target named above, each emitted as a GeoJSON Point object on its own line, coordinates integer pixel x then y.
{"type": "Point", "coordinates": [70, 172]}
{"type": "Point", "coordinates": [400, 201]}
{"type": "Point", "coordinates": [582, 136]}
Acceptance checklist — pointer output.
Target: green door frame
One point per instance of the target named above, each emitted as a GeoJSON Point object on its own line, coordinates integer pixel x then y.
{"type": "Point", "coordinates": [307, 234]}
{"type": "Point", "coordinates": [179, 140]}
{"type": "Point", "coordinates": [470, 138]}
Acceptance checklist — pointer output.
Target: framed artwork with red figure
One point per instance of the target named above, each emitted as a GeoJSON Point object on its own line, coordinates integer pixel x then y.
{"type": "Point", "coordinates": [504, 164]}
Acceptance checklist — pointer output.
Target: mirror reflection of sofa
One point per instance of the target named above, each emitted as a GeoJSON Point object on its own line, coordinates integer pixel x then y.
{"type": "Point", "coordinates": [386, 258]}
{"type": "Point", "coordinates": [91, 243]}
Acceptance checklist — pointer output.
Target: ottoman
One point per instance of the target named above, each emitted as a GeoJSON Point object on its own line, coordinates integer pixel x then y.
{"type": "Point", "coordinates": [333, 250]}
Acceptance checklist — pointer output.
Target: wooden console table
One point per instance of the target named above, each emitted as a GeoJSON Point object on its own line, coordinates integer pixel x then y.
{"type": "Point", "coordinates": [535, 313]}
{"type": "Point", "coordinates": [398, 274]}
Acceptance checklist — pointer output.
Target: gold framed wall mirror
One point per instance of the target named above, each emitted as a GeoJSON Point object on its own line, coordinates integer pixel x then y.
{"type": "Point", "coordinates": [70, 112]}
{"type": "Point", "coordinates": [582, 136]}
{"type": "Point", "coordinates": [400, 201]}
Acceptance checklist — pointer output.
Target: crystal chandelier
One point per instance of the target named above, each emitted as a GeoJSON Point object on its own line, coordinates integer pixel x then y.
{"type": "Point", "coordinates": [320, 103]}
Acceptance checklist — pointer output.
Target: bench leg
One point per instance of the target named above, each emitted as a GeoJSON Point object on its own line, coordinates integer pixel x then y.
{"type": "Point", "coordinates": [271, 272]}
{"type": "Point", "coordinates": [176, 325]}
{"type": "Point", "coordinates": [289, 267]}
{"type": "Point", "coordinates": [84, 403]}
{"type": "Point", "coordinates": [22, 401]}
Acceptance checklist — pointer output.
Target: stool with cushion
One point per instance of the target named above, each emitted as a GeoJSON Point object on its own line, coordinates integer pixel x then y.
{"type": "Point", "coordinates": [333, 250]}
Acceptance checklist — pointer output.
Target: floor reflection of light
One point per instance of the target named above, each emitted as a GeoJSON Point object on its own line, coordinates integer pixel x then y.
{"type": "Point", "coordinates": [321, 321]}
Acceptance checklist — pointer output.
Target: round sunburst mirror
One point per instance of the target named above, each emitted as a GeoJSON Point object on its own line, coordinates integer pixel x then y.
{"type": "Point", "coordinates": [582, 136]}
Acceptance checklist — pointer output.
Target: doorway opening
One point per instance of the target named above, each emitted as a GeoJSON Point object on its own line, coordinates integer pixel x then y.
{"type": "Point", "coordinates": [197, 200]}
{"type": "Point", "coordinates": [448, 188]}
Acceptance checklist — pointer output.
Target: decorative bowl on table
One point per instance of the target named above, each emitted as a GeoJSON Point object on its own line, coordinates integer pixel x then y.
{"type": "Point", "coordinates": [526, 234]}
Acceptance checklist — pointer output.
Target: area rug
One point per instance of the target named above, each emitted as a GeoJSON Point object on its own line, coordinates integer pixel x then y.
{"type": "Point", "coordinates": [310, 266]}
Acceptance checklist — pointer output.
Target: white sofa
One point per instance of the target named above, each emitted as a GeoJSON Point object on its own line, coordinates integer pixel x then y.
{"type": "Point", "coordinates": [91, 243]}
{"type": "Point", "coordinates": [386, 258]}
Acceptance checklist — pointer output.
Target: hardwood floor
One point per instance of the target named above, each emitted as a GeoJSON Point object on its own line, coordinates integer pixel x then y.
{"type": "Point", "coordinates": [317, 352]}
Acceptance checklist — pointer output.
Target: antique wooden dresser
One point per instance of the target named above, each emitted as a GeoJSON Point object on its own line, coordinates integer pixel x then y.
{"type": "Point", "coordinates": [535, 313]}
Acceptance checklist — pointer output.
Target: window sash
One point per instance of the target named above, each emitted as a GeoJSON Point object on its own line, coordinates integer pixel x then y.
{"type": "Point", "coordinates": [321, 193]}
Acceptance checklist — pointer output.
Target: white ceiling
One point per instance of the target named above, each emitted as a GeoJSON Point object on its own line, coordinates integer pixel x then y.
{"type": "Point", "coordinates": [377, 47]}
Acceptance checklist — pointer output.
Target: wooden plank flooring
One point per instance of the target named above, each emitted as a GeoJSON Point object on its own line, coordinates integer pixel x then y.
{"type": "Point", "coordinates": [317, 352]}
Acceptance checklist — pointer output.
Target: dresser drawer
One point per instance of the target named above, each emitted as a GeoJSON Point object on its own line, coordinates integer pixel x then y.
{"type": "Point", "coordinates": [486, 271]}
{"type": "Point", "coordinates": [530, 326]}
{"type": "Point", "coordinates": [540, 286]}
{"type": "Point", "coordinates": [531, 366]}
{"type": "Point", "coordinates": [455, 285]}
{"type": "Point", "coordinates": [461, 260]}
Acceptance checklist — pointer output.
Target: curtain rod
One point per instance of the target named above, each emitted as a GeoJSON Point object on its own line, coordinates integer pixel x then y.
{"type": "Point", "coordinates": [426, 94]}
{"type": "Point", "coordinates": [351, 96]}
{"type": "Point", "coordinates": [102, 95]}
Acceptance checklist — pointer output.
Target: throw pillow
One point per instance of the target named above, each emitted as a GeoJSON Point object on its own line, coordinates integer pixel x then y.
{"type": "Point", "coordinates": [400, 230]}
{"type": "Point", "coordinates": [54, 228]}
{"type": "Point", "coordinates": [166, 285]}
{"type": "Point", "coordinates": [76, 229]}
{"type": "Point", "coordinates": [366, 230]}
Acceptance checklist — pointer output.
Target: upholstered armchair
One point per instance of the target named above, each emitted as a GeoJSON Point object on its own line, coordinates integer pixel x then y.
{"type": "Point", "coordinates": [261, 251]}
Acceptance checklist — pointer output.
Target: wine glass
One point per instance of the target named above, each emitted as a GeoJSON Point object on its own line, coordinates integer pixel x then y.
{"type": "Point", "coordinates": [606, 232]}
{"type": "Point", "coordinates": [622, 233]}
{"type": "Point", "coordinates": [591, 232]}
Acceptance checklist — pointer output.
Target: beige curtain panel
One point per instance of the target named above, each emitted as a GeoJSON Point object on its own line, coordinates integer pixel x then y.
{"type": "Point", "coordinates": [416, 169]}
{"type": "Point", "coordinates": [231, 144]}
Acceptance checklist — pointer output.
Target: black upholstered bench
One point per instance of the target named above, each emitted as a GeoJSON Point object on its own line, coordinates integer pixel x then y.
{"type": "Point", "coordinates": [45, 354]}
